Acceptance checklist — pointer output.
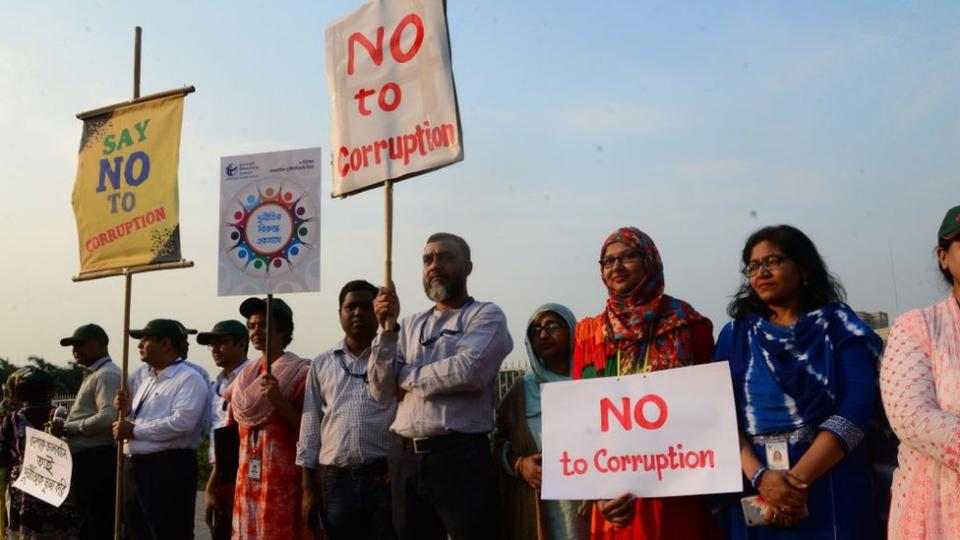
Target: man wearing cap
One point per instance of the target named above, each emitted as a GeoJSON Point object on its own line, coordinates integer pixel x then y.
{"type": "Point", "coordinates": [162, 426]}
{"type": "Point", "coordinates": [266, 408]}
{"type": "Point", "coordinates": [89, 434]}
{"type": "Point", "coordinates": [345, 433]}
{"type": "Point", "coordinates": [228, 345]}
{"type": "Point", "coordinates": [441, 365]}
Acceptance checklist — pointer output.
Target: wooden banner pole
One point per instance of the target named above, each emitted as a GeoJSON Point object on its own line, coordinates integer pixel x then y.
{"type": "Point", "coordinates": [268, 342]}
{"type": "Point", "coordinates": [388, 246]}
{"type": "Point", "coordinates": [128, 288]}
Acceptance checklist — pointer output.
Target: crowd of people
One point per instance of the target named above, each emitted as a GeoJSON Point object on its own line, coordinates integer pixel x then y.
{"type": "Point", "coordinates": [387, 434]}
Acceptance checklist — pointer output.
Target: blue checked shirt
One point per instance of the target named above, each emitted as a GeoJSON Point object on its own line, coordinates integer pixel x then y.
{"type": "Point", "coordinates": [342, 425]}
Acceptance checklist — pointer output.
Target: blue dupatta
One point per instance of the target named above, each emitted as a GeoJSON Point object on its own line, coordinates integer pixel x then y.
{"type": "Point", "coordinates": [785, 377]}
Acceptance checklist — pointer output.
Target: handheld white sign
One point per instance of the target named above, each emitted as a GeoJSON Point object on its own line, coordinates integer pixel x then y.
{"type": "Point", "coordinates": [269, 223]}
{"type": "Point", "coordinates": [667, 433]}
{"type": "Point", "coordinates": [392, 98]}
{"type": "Point", "coordinates": [47, 466]}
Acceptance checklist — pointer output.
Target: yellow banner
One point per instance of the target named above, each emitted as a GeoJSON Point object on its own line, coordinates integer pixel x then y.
{"type": "Point", "coordinates": [125, 196]}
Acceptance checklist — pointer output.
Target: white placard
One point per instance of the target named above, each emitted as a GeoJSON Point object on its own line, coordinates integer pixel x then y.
{"type": "Point", "coordinates": [667, 433]}
{"type": "Point", "coordinates": [47, 466]}
{"type": "Point", "coordinates": [393, 104]}
{"type": "Point", "coordinates": [269, 224]}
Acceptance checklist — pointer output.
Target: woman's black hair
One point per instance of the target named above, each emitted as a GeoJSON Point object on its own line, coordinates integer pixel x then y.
{"type": "Point", "coordinates": [819, 288]}
{"type": "Point", "coordinates": [944, 244]}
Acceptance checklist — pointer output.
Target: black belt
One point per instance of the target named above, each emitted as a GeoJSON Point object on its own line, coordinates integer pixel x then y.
{"type": "Point", "coordinates": [137, 459]}
{"type": "Point", "coordinates": [426, 445]}
{"type": "Point", "coordinates": [370, 470]}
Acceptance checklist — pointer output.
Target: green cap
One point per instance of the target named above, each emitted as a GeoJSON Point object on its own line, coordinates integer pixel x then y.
{"type": "Point", "coordinates": [223, 328]}
{"type": "Point", "coordinates": [951, 224]}
{"type": "Point", "coordinates": [168, 328]}
{"type": "Point", "coordinates": [259, 305]}
{"type": "Point", "coordinates": [85, 333]}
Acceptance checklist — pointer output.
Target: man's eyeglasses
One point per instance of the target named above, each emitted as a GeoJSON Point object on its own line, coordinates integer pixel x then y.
{"type": "Point", "coordinates": [629, 257]}
{"type": "Point", "coordinates": [552, 328]}
{"type": "Point", "coordinates": [768, 263]}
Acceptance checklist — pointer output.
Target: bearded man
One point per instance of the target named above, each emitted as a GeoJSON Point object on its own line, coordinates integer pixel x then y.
{"type": "Point", "coordinates": [441, 365]}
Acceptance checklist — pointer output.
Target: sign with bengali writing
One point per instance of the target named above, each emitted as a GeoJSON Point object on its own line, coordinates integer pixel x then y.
{"type": "Point", "coordinates": [269, 224]}
{"type": "Point", "coordinates": [47, 466]}
{"type": "Point", "coordinates": [393, 103]}
{"type": "Point", "coordinates": [663, 434]}
{"type": "Point", "coordinates": [125, 196]}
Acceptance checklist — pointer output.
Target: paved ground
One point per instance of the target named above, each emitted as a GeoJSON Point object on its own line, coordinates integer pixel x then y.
{"type": "Point", "coordinates": [200, 529]}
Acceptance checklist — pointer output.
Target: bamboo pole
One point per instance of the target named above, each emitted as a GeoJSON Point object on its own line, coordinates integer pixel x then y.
{"type": "Point", "coordinates": [269, 342]}
{"type": "Point", "coordinates": [388, 245]}
{"type": "Point", "coordinates": [128, 289]}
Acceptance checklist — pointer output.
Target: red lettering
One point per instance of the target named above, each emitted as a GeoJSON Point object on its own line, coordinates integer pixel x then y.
{"type": "Point", "coordinates": [375, 52]}
{"type": "Point", "coordinates": [398, 55]}
{"type": "Point", "coordinates": [361, 97]}
{"type": "Point", "coordinates": [382, 99]}
{"type": "Point", "coordinates": [640, 416]}
{"type": "Point", "coordinates": [161, 213]}
{"type": "Point", "coordinates": [607, 407]}
{"type": "Point", "coordinates": [344, 167]}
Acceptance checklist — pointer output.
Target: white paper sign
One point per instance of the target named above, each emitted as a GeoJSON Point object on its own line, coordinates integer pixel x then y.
{"type": "Point", "coordinates": [393, 104]}
{"type": "Point", "coordinates": [667, 433]}
{"type": "Point", "coordinates": [47, 467]}
{"type": "Point", "coordinates": [269, 224]}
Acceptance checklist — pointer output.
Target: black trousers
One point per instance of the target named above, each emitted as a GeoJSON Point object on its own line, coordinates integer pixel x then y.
{"type": "Point", "coordinates": [452, 492]}
{"type": "Point", "coordinates": [159, 495]}
{"type": "Point", "coordinates": [93, 488]}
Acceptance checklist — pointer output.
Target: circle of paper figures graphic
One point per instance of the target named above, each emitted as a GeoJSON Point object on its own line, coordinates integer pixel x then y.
{"type": "Point", "coordinates": [269, 227]}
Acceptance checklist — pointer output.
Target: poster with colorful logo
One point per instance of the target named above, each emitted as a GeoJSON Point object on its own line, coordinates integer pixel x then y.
{"type": "Point", "coordinates": [125, 196]}
{"type": "Point", "coordinates": [393, 103]}
{"type": "Point", "coordinates": [269, 223]}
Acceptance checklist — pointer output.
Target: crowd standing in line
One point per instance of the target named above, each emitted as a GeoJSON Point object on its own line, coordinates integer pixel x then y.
{"type": "Point", "coordinates": [386, 435]}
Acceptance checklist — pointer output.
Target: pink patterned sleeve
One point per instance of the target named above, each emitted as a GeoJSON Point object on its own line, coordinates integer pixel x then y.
{"type": "Point", "coordinates": [909, 395]}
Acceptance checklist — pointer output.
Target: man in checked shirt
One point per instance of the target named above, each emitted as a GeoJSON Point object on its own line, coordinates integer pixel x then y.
{"type": "Point", "coordinates": [345, 433]}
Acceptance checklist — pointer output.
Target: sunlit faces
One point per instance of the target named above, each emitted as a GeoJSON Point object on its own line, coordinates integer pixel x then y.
{"type": "Point", "coordinates": [621, 268]}
{"type": "Point", "coordinates": [257, 326]}
{"type": "Point", "coordinates": [227, 350]}
{"type": "Point", "coordinates": [445, 270]}
{"type": "Point", "coordinates": [949, 259]}
{"type": "Point", "coordinates": [777, 279]}
{"type": "Point", "coordinates": [88, 352]}
{"type": "Point", "coordinates": [151, 348]}
{"type": "Point", "coordinates": [550, 338]}
{"type": "Point", "coordinates": [357, 317]}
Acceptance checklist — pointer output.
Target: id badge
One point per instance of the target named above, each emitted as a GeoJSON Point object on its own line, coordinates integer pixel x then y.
{"type": "Point", "coordinates": [778, 458]}
{"type": "Point", "coordinates": [253, 470]}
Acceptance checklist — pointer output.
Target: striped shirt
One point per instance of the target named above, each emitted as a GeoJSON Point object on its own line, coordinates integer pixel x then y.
{"type": "Point", "coordinates": [342, 425]}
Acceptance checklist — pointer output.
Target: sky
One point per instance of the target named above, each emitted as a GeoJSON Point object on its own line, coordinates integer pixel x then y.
{"type": "Point", "coordinates": [698, 122]}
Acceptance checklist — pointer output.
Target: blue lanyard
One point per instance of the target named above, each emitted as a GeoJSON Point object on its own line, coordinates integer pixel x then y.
{"type": "Point", "coordinates": [339, 355]}
{"type": "Point", "coordinates": [445, 331]}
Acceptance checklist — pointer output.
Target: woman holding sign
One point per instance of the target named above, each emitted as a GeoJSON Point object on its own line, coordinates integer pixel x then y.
{"type": "Point", "coordinates": [640, 330]}
{"type": "Point", "coordinates": [920, 384]}
{"type": "Point", "coordinates": [518, 437]}
{"type": "Point", "coordinates": [266, 408]}
{"type": "Point", "coordinates": [804, 371]}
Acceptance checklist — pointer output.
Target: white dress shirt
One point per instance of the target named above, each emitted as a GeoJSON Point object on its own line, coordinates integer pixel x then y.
{"type": "Point", "coordinates": [219, 407]}
{"type": "Point", "coordinates": [167, 409]}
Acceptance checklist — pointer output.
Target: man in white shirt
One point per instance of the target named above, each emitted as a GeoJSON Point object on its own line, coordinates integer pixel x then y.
{"type": "Point", "coordinates": [228, 342]}
{"type": "Point", "coordinates": [162, 426]}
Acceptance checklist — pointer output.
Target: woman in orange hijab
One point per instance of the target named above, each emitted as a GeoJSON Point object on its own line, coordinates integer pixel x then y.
{"type": "Point", "coordinates": [641, 330]}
